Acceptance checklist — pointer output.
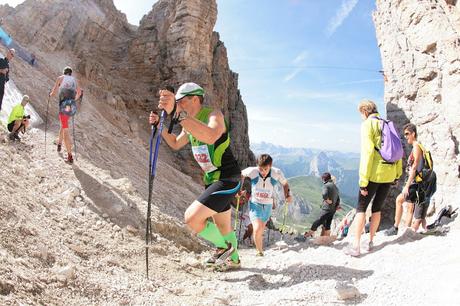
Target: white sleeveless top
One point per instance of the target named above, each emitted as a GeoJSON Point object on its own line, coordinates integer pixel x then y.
{"type": "Point", "coordinates": [68, 82]}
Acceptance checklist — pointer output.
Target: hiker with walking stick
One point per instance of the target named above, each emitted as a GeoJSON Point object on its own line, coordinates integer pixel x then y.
{"type": "Point", "coordinates": [206, 130]}
{"type": "Point", "coordinates": [69, 90]}
{"type": "Point", "coordinates": [264, 177]}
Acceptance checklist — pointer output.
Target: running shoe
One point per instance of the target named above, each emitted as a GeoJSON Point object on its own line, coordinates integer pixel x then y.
{"type": "Point", "coordinates": [352, 251]}
{"type": "Point", "coordinates": [368, 246]}
{"type": "Point", "coordinates": [212, 260]}
{"type": "Point", "coordinates": [228, 265]}
{"type": "Point", "coordinates": [220, 255]}
{"type": "Point", "coordinates": [391, 231]}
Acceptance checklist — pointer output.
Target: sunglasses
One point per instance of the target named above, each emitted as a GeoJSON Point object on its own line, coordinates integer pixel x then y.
{"type": "Point", "coordinates": [406, 134]}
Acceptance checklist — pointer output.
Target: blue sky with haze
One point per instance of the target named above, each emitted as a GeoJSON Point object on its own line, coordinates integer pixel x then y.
{"type": "Point", "coordinates": [303, 66]}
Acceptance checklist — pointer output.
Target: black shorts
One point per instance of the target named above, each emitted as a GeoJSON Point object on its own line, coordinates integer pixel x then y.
{"type": "Point", "coordinates": [380, 190]}
{"type": "Point", "coordinates": [420, 210]}
{"type": "Point", "coordinates": [11, 126]}
{"type": "Point", "coordinates": [219, 195]}
{"type": "Point", "coordinates": [413, 195]}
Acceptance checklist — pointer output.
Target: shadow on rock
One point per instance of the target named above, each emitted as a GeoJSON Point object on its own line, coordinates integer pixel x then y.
{"type": "Point", "coordinates": [407, 237]}
{"type": "Point", "coordinates": [106, 201]}
{"type": "Point", "coordinates": [298, 274]}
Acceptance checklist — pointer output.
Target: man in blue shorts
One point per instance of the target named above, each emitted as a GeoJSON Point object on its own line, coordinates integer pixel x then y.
{"type": "Point", "coordinates": [264, 178]}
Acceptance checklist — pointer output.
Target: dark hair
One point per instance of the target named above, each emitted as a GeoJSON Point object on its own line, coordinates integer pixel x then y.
{"type": "Point", "coordinates": [411, 128]}
{"type": "Point", "coordinates": [326, 176]}
{"type": "Point", "coordinates": [68, 71]}
{"type": "Point", "coordinates": [264, 160]}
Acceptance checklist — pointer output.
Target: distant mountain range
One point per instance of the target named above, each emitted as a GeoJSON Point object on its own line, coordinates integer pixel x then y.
{"type": "Point", "coordinates": [313, 162]}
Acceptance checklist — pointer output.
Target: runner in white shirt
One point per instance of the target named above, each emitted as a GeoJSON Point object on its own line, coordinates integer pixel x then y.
{"type": "Point", "coordinates": [264, 177]}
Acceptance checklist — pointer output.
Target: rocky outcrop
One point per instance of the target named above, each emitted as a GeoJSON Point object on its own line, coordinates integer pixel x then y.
{"type": "Point", "coordinates": [419, 44]}
{"type": "Point", "coordinates": [122, 67]}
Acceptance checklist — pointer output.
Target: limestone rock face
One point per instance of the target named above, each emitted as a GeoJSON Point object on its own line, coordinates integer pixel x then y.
{"type": "Point", "coordinates": [420, 49]}
{"type": "Point", "coordinates": [121, 67]}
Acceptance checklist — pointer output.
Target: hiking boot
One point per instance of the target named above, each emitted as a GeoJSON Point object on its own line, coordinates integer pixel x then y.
{"type": "Point", "coordinates": [368, 246]}
{"type": "Point", "coordinates": [392, 231]}
{"type": "Point", "coordinates": [69, 159]}
{"type": "Point", "coordinates": [352, 251]}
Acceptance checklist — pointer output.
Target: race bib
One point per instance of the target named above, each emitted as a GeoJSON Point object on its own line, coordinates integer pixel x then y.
{"type": "Point", "coordinates": [263, 196]}
{"type": "Point", "coordinates": [203, 158]}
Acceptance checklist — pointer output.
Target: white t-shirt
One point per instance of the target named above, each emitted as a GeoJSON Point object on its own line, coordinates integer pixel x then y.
{"type": "Point", "coordinates": [262, 189]}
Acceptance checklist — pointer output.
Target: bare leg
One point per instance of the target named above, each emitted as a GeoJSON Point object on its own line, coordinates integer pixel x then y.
{"type": "Point", "coordinates": [67, 141]}
{"type": "Point", "coordinates": [326, 233]}
{"type": "Point", "coordinates": [360, 219]}
{"type": "Point", "coordinates": [399, 209]}
{"type": "Point", "coordinates": [196, 216]}
{"type": "Point", "coordinates": [223, 221]}
{"type": "Point", "coordinates": [410, 213]}
{"type": "Point", "coordinates": [259, 228]}
{"type": "Point", "coordinates": [375, 222]}
{"type": "Point", "coordinates": [61, 136]}
{"type": "Point", "coordinates": [16, 126]}
{"type": "Point", "coordinates": [416, 224]}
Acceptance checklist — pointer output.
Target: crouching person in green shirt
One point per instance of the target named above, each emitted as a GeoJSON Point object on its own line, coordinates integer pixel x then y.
{"type": "Point", "coordinates": [18, 121]}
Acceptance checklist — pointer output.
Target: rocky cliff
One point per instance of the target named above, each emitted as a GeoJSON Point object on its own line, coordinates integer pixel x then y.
{"type": "Point", "coordinates": [121, 68]}
{"type": "Point", "coordinates": [420, 44]}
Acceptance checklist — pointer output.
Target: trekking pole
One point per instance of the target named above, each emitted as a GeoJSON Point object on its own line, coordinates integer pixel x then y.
{"type": "Point", "coordinates": [46, 118]}
{"type": "Point", "coordinates": [237, 211]}
{"type": "Point", "coordinates": [153, 157]}
{"type": "Point", "coordinates": [284, 219]}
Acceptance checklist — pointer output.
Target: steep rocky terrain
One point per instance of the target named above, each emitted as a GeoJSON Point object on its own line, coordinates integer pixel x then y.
{"type": "Point", "coordinates": [73, 235]}
{"type": "Point", "coordinates": [121, 68]}
{"type": "Point", "coordinates": [419, 43]}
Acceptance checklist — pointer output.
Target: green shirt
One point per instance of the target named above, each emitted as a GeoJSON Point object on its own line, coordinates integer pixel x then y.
{"type": "Point", "coordinates": [216, 160]}
{"type": "Point", "coordinates": [17, 113]}
{"type": "Point", "coordinates": [372, 167]}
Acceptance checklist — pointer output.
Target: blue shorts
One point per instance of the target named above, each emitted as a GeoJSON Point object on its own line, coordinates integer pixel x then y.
{"type": "Point", "coordinates": [260, 211]}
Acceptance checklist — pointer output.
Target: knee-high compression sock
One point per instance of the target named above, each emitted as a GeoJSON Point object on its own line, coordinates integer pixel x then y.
{"type": "Point", "coordinates": [231, 237]}
{"type": "Point", "coordinates": [212, 234]}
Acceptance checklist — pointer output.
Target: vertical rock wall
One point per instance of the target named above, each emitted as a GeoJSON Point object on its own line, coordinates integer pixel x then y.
{"type": "Point", "coordinates": [420, 48]}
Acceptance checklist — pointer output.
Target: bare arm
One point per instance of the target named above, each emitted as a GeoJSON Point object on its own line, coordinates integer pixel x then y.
{"type": "Point", "coordinates": [175, 142]}
{"type": "Point", "coordinates": [208, 134]}
{"type": "Point", "coordinates": [56, 86]}
{"type": "Point", "coordinates": [78, 94]}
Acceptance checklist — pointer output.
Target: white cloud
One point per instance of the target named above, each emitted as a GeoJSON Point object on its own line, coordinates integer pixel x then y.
{"type": "Point", "coordinates": [299, 59]}
{"type": "Point", "coordinates": [292, 75]}
{"type": "Point", "coordinates": [345, 9]}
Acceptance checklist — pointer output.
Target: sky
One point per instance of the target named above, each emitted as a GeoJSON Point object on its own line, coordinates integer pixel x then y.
{"type": "Point", "coordinates": [303, 66]}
